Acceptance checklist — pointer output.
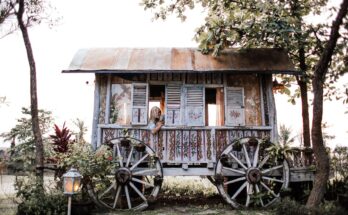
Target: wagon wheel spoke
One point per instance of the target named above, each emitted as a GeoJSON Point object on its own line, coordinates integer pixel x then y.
{"type": "Point", "coordinates": [247, 202]}
{"type": "Point", "coordinates": [139, 161]}
{"type": "Point", "coordinates": [256, 155]}
{"type": "Point", "coordinates": [234, 170]}
{"type": "Point", "coordinates": [238, 161]}
{"type": "Point", "coordinates": [265, 159]}
{"type": "Point", "coordinates": [113, 185]}
{"type": "Point", "coordinates": [271, 169]}
{"type": "Point", "coordinates": [258, 192]}
{"type": "Point", "coordinates": [127, 197]}
{"type": "Point", "coordinates": [268, 189]}
{"type": "Point", "coordinates": [129, 156]}
{"type": "Point", "coordinates": [273, 179]}
{"type": "Point", "coordinates": [137, 191]}
{"type": "Point", "coordinates": [118, 191]}
{"type": "Point", "coordinates": [142, 182]}
{"type": "Point", "coordinates": [146, 172]}
{"type": "Point", "coordinates": [119, 155]}
{"type": "Point", "coordinates": [239, 190]}
{"type": "Point", "coordinates": [235, 180]}
{"type": "Point", "coordinates": [246, 155]}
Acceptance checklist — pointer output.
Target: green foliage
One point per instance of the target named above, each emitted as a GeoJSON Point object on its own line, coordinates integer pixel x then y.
{"type": "Point", "coordinates": [279, 152]}
{"type": "Point", "coordinates": [339, 167]}
{"type": "Point", "coordinates": [91, 164]}
{"type": "Point", "coordinates": [271, 24]}
{"type": "Point", "coordinates": [36, 201]}
{"type": "Point", "coordinates": [290, 207]}
{"type": "Point", "coordinates": [285, 137]}
{"type": "Point", "coordinates": [81, 130]}
{"type": "Point", "coordinates": [23, 129]}
{"type": "Point", "coordinates": [88, 162]}
{"type": "Point", "coordinates": [22, 155]}
{"type": "Point", "coordinates": [36, 12]}
{"type": "Point", "coordinates": [339, 163]}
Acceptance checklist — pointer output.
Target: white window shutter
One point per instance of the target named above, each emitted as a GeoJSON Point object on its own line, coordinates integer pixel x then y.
{"type": "Point", "coordinates": [139, 104]}
{"type": "Point", "coordinates": [194, 112]}
{"type": "Point", "coordinates": [234, 103]}
{"type": "Point", "coordinates": [173, 102]}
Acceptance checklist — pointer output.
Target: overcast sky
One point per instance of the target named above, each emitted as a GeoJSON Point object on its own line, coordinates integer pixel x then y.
{"type": "Point", "coordinates": [104, 23]}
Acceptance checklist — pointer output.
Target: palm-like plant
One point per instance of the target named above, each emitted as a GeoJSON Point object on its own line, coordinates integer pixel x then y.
{"type": "Point", "coordinates": [61, 139]}
{"type": "Point", "coordinates": [285, 137]}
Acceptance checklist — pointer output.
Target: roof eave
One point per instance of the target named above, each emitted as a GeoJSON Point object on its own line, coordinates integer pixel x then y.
{"type": "Point", "coordinates": [239, 71]}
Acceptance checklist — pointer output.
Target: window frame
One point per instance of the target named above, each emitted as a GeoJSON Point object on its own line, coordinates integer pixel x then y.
{"type": "Point", "coordinates": [146, 105]}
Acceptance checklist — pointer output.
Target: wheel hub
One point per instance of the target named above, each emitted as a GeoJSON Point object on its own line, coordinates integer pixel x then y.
{"type": "Point", "coordinates": [254, 175]}
{"type": "Point", "coordinates": [123, 175]}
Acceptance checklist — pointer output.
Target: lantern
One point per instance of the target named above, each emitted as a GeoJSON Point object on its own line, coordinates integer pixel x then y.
{"type": "Point", "coordinates": [72, 181]}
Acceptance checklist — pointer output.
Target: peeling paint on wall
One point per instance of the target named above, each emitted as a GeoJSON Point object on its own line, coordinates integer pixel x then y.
{"type": "Point", "coordinates": [103, 84]}
{"type": "Point", "coordinates": [252, 98]}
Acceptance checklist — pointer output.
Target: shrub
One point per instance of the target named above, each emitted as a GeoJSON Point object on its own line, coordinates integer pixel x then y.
{"type": "Point", "coordinates": [290, 207]}
{"type": "Point", "coordinates": [35, 200]}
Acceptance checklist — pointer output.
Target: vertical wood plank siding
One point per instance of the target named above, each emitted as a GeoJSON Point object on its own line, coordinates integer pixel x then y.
{"type": "Point", "coordinates": [95, 112]}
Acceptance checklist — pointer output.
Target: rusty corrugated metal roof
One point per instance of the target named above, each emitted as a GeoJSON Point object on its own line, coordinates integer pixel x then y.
{"type": "Point", "coordinates": [147, 60]}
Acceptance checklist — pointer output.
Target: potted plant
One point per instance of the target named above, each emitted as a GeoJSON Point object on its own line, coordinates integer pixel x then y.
{"type": "Point", "coordinates": [140, 147]}
{"type": "Point", "coordinates": [237, 146]}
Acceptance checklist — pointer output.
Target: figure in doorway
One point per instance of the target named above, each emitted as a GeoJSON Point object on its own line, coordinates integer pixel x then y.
{"type": "Point", "coordinates": [156, 120]}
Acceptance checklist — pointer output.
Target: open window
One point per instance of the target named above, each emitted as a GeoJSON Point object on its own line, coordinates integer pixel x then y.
{"type": "Point", "coordinates": [214, 106]}
{"type": "Point", "coordinates": [157, 97]}
{"type": "Point", "coordinates": [234, 100]}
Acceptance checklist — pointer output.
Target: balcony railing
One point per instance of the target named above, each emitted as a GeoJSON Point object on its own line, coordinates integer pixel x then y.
{"type": "Point", "coordinates": [176, 145]}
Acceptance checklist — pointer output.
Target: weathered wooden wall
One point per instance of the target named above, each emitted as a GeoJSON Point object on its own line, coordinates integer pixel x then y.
{"type": "Point", "coordinates": [256, 97]}
{"type": "Point", "coordinates": [251, 85]}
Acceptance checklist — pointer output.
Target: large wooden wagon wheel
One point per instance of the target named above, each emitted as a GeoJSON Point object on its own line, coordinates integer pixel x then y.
{"type": "Point", "coordinates": [135, 181]}
{"type": "Point", "coordinates": [248, 175]}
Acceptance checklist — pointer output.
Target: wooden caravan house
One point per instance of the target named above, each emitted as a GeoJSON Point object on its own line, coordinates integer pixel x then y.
{"type": "Point", "coordinates": [209, 105]}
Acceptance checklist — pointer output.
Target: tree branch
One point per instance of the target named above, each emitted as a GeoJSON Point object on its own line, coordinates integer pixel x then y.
{"type": "Point", "coordinates": [325, 59]}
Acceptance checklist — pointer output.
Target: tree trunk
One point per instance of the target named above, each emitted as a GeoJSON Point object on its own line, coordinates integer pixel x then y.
{"type": "Point", "coordinates": [302, 82]}
{"type": "Point", "coordinates": [322, 158]}
{"type": "Point", "coordinates": [305, 114]}
{"type": "Point", "coordinates": [33, 91]}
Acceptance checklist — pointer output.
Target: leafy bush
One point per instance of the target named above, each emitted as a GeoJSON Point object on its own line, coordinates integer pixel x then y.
{"type": "Point", "coordinates": [290, 207]}
{"type": "Point", "coordinates": [35, 200]}
{"type": "Point", "coordinates": [22, 153]}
